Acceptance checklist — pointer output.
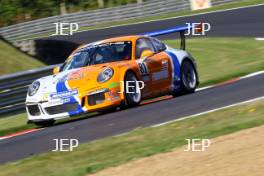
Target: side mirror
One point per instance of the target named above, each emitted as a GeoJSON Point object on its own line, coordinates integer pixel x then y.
{"type": "Point", "coordinates": [56, 70]}
{"type": "Point", "coordinates": [146, 53]}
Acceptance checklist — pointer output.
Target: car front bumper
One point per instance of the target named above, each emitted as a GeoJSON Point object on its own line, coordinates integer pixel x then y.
{"type": "Point", "coordinates": [54, 110]}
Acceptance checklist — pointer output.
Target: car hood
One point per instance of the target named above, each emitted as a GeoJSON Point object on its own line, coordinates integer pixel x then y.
{"type": "Point", "coordinates": [81, 79]}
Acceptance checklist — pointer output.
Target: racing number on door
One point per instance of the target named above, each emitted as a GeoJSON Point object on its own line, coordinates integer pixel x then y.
{"type": "Point", "coordinates": [143, 68]}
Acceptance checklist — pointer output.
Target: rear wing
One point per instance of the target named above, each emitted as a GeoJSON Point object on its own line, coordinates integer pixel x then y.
{"type": "Point", "coordinates": [181, 29]}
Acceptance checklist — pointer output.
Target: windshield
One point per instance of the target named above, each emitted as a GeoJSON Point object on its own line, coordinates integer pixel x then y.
{"type": "Point", "coordinates": [98, 54]}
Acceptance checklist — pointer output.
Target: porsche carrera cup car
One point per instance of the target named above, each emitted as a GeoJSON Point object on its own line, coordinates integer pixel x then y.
{"type": "Point", "coordinates": [116, 72]}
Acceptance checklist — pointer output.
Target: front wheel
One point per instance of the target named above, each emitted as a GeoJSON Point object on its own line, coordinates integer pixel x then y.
{"type": "Point", "coordinates": [132, 91]}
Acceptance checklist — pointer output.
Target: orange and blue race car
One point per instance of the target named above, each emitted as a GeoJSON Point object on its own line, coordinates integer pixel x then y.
{"type": "Point", "coordinates": [116, 72]}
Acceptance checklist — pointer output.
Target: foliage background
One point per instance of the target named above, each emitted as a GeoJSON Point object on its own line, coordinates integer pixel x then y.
{"type": "Point", "coordinates": [16, 11]}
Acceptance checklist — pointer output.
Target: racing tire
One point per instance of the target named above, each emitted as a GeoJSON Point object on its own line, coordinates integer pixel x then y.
{"type": "Point", "coordinates": [189, 78]}
{"type": "Point", "coordinates": [133, 95]}
{"type": "Point", "coordinates": [45, 123]}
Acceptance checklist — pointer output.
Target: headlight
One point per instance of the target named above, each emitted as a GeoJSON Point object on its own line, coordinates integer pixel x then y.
{"type": "Point", "coordinates": [33, 88]}
{"type": "Point", "coordinates": [105, 75]}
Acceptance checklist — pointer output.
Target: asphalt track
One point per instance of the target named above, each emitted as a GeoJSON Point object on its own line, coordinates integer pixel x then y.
{"type": "Point", "coordinates": [243, 22]}
{"type": "Point", "coordinates": [240, 22]}
{"type": "Point", "coordinates": [124, 121]}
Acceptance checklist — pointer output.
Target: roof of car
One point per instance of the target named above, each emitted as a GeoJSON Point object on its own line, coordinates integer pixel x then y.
{"type": "Point", "coordinates": [119, 39]}
{"type": "Point", "coordinates": [114, 39]}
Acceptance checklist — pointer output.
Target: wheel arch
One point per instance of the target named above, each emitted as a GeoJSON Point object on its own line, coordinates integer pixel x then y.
{"type": "Point", "coordinates": [123, 75]}
{"type": "Point", "coordinates": [192, 61]}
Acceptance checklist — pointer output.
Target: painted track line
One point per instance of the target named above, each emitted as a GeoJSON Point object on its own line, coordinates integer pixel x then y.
{"type": "Point", "coordinates": [259, 39]}
{"type": "Point", "coordinates": [252, 74]}
{"type": "Point", "coordinates": [210, 111]}
{"type": "Point", "coordinates": [233, 80]}
{"type": "Point", "coordinates": [20, 133]}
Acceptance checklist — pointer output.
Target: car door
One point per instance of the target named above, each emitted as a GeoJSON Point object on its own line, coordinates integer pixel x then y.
{"type": "Point", "coordinates": [162, 77]}
{"type": "Point", "coordinates": [154, 69]}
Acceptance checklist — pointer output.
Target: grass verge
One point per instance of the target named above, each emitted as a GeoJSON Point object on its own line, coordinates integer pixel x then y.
{"type": "Point", "coordinates": [94, 156]}
{"type": "Point", "coordinates": [14, 124]}
{"type": "Point", "coordinates": [13, 60]}
{"type": "Point", "coordinates": [221, 59]}
{"type": "Point", "coordinates": [156, 17]}
{"type": "Point", "coordinates": [18, 122]}
{"type": "Point", "coordinates": [218, 59]}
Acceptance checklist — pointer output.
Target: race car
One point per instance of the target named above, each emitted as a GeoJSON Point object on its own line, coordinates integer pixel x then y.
{"type": "Point", "coordinates": [116, 72]}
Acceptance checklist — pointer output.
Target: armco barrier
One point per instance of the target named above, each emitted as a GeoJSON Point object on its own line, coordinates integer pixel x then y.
{"type": "Point", "coordinates": [13, 88]}
{"type": "Point", "coordinates": [94, 17]}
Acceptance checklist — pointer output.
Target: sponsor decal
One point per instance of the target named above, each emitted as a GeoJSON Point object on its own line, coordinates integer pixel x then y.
{"type": "Point", "coordinates": [164, 62]}
{"type": "Point", "coordinates": [93, 89]}
{"type": "Point", "coordinates": [59, 101]}
{"type": "Point", "coordinates": [113, 84]}
{"type": "Point", "coordinates": [75, 76]}
{"type": "Point", "coordinates": [163, 73]}
{"type": "Point", "coordinates": [98, 91]}
{"type": "Point", "coordinates": [64, 94]}
{"type": "Point", "coordinates": [113, 94]}
{"type": "Point", "coordinates": [45, 97]}
{"type": "Point", "coordinates": [32, 99]}
{"type": "Point", "coordinates": [143, 68]}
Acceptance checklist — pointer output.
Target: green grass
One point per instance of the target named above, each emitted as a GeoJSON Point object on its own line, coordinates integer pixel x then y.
{"type": "Point", "coordinates": [94, 156]}
{"type": "Point", "coordinates": [157, 17]}
{"type": "Point", "coordinates": [221, 59]}
{"type": "Point", "coordinates": [12, 60]}
{"type": "Point", "coordinates": [218, 59]}
{"type": "Point", "coordinates": [14, 124]}
{"type": "Point", "coordinates": [18, 122]}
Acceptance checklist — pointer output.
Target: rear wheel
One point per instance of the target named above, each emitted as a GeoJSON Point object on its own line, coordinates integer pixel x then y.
{"type": "Point", "coordinates": [132, 92]}
{"type": "Point", "coordinates": [188, 78]}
